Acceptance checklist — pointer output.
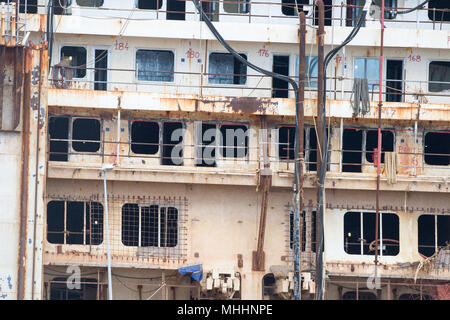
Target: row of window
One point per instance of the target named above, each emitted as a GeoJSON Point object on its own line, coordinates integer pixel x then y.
{"type": "Point", "coordinates": [78, 222]}
{"type": "Point", "coordinates": [165, 139]}
{"type": "Point", "coordinates": [359, 233]}
{"type": "Point", "coordinates": [159, 65]}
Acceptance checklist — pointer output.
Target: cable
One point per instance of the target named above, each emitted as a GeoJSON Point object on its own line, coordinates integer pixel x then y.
{"type": "Point", "coordinates": [412, 9]}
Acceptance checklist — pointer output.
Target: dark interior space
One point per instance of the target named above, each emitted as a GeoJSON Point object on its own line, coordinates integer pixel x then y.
{"type": "Point", "coordinates": [387, 143]}
{"type": "Point", "coordinates": [94, 223]}
{"type": "Point", "coordinates": [150, 4]}
{"type": "Point", "coordinates": [443, 232]}
{"type": "Point", "coordinates": [234, 141]}
{"type": "Point", "coordinates": [31, 6]}
{"type": "Point", "coordinates": [76, 57]}
{"type": "Point", "coordinates": [286, 140]}
{"type": "Point", "coordinates": [58, 128]}
{"type": "Point", "coordinates": [149, 226]}
{"type": "Point", "coordinates": [439, 76]}
{"type": "Point", "coordinates": [176, 9]}
{"type": "Point", "coordinates": [312, 149]}
{"type": "Point", "coordinates": [438, 15]}
{"type": "Point", "coordinates": [169, 144]}
{"type": "Point", "coordinates": [60, 291]}
{"type": "Point", "coordinates": [211, 10]}
{"type": "Point", "coordinates": [394, 77]}
{"type": "Point", "coordinates": [390, 234]}
{"type": "Point", "coordinates": [280, 87]}
{"type": "Point", "coordinates": [269, 284]}
{"type": "Point", "coordinates": [362, 295]}
{"type": "Point", "coordinates": [59, 5]}
{"type": "Point", "coordinates": [289, 7]}
{"type": "Point", "coordinates": [55, 222]}
{"type": "Point", "coordinates": [327, 13]}
{"type": "Point", "coordinates": [84, 131]}
{"type": "Point", "coordinates": [352, 146]}
{"type": "Point", "coordinates": [145, 137]}
{"type": "Point", "coordinates": [75, 222]}
{"type": "Point", "coordinates": [130, 224]}
{"type": "Point", "coordinates": [207, 148]}
{"type": "Point", "coordinates": [437, 148]}
{"type": "Point", "coordinates": [169, 227]}
{"type": "Point", "coordinates": [427, 235]}
{"type": "Point", "coordinates": [415, 296]}
{"type": "Point", "coordinates": [101, 72]}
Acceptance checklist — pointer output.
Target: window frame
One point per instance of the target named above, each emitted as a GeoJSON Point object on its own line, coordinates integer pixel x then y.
{"type": "Point", "coordinates": [376, 85]}
{"type": "Point", "coordinates": [136, 6]}
{"type": "Point", "coordinates": [308, 84]}
{"type": "Point", "coordinates": [86, 47]}
{"type": "Point", "coordinates": [436, 229]}
{"type": "Point", "coordinates": [245, 3]}
{"type": "Point", "coordinates": [424, 133]}
{"type": "Point", "coordinates": [231, 85]}
{"type": "Point", "coordinates": [429, 61]}
{"type": "Point", "coordinates": [84, 6]}
{"type": "Point", "coordinates": [136, 77]}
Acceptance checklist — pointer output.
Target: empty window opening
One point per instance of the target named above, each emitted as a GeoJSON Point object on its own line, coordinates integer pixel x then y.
{"type": "Point", "coordinates": [433, 233]}
{"type": "Point", "coordinates": [61, 7]}
{"type": "Point", "coordinates": [59, 290]}
{"type": "Point", "coordinates": [354, 10]}
{"type": "Point", "coordinates": [155, 65]}
{"type": "Point", "coordinates": [90, 3]}
{"type": "Point", "coordinates": [415, 296]}
{"type": "Point", "coordinates": [101, 69]}
{"type": "Point", "coordinates": [211, 9]}
{"type": "Point", "coordinates": [145, 137]}
{"type": "Point", "coordinates": [236, 6]}
{"type": "Point", "coordinates": [234, 141]}
{"type": "Point", "coordinates": [176, 9]}
{"type": "Point", "coordinates": [437, 148]}
{"type": "Point", "coordinates": [207, 141]}
{"type": "Point", "coordinates": [286, 143]}
{"type": "Point", "coordinates": [58, 129]}
{"type": "Point", "coordinates": [83, 132]}
{"type": "Point", "coordinates": [360, 295]}
{"type": "Point", "coordinates": [359, 233]}
{"type": "Point", "coordinates": [74, 222]}
{"type": "Point", "coordinates": [368, 68]}
{"type": "Point", "coordinates": [269, 285]}
{"type": "Point", "coordinates": [328, 10]}
{"type": "Point", "coordinates": [351, 150]}
{"type": "Point", "coordinates": [280, 88]}
{"type": "Point", "coordinates": [172, 137]}
{"type": "Point", "coordinates": [76, 58]}
{"type": "Point", "coordinates": [149, 226]}
{"type": "Point", "coordinates": [387, 143]}
{"type": "Point", "coordinates": [439, 76]}
{"type": "Point", "coordinates": [308, 222]}
{"type": "Point", "coordinates": [435, 13]}
{"type": "Point", "coordinates": [311, 71]}
{"type": "Point", "coordinates": [30, 7]}
{"type": "Point", "coordinates": [226, 69]}
{"type": "Point", "coordinates": [390, 9]}
{"type": "Point", "coordinates": [289, 7]}
{"type": "Point", "coordinates": [394, 82]}
{"type": "Point", "coordinates": [149, 4]}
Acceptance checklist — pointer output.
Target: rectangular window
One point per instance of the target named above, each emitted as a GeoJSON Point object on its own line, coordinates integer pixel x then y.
{"type": "Point", "coordinates": [74, 222]}
{"type": "Point", "coordinates": [439, 76]}
{"type": "Point", "coordinates": [59, 290]}
{"type": "Point", "coordinates": [387, 143]}
{"type": "Point", "coordinates": [149, 4]}
{"type": "Point", "coordinates": [434, 233]}
{"type": "Point", "coordinates": [76, 58]}
{"type": "Point", "coordinates": [394, 80]}
{"type": "Point", "coordinates": [58, 130]}
{"type": "Point", "coordinates": [234, 141]}
{"type": "Point", "coordinates": [289, 7]}
{"type": "Point", "coordinates": [83, 132]}
{"type": "Point", "coordinates": [437, 148]}
{"type": "Point", "coordinates": [280, 88]}
{"type": "Point", "coordinates": [149, 226]}
{"type": "Point", "coordinates": [61, 7]}
{"type": "Point", "coordinates": [367, 68]}
{"type": "Point", "coordinates": [155, 65]}
{"type": "Point", "coordinates": [30, 7]}
{"type": "Point", "coordinates": [90, 3]}
{"type": "Point", "coordinates": [176, 10]}
{"type": "Point", "coordinates": [390, 9]}
{"type": "Point", "coordinates": [359, 233]}
{"type": "Point", "coordinates": [236, 6]}
{"type": "Point", "coordinates": [225, 69]}
{"type": "Point", "coordinates": [308, 230]}
{"type": "Point", "coordinates": [145, 137]}
{"type": "Point", "coordinates": [211, 9]}
{"type": "Point", "coordinates": [311, 71]}
{"type": "Point", "coordinates": [436, 10]}
{"type": "Point", "coordinates": [354, 9]}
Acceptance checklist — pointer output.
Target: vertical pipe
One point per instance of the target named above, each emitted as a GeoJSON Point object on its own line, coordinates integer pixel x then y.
{"type": "Point", "coordinates": [108, 251]}
{"type": "Point", "coordinates": [118, 134]}
{"type": "Point", "coordinates": [380, 105]}
{"type": "Point", "coordinates": [298, 209]}
{"type": "Point", "coordinates": [415, 148]}
{"type": "Point", "coordinates": [320, 126]}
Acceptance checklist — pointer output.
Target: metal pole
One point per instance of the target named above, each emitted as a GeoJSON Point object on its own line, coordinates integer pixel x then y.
{"type": "Point", "coordinates": [108, 252]}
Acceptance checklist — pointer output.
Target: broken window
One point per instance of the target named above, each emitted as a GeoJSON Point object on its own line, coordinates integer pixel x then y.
{"type": "Point", "coordinates": [149, 4]}
{"type": "Point", "coordinates": [58, 130]}
{"type": "Point", "coordinates": [394, 80]}
{"type": "Point", "coordinates": [155, 65]}
{"type": "Point", "coordinates": [83, 132]}
{"type": "Point", "coordinates": [176, 9]}
{"type": "Point", "coordinates": [76, 58]}
{"type": "Point", "coordinates": [74, 222]}
{"type": "Point", "coordinates": [59, 290]}
{"type": "Point", "coordinates": [387, 143]}
{"type": "Point", "coordinates": [149, 226]}
{"type": "Point", "coordinates": [311, 71]}
{"type": "Point", "coordinates": [90, 3]}
{"type": "Point", "coordinates": [236, 6]}
{"type": "Point", "coordinates": [433, 233]}
{"type": "Point", "coordinates": [145, 137]}
{"type": "Point", "coordinates": [436, 12]}
{"type": "Point", "coordinates": [439, 76]}
{"type": "Point", "coordinates": [308, 229]}
{"type": "Point", "coordinates": [280, 88]}
{"type": "Point", "coordinates": [360, 295]}
{"type": "Point", "coordinates": [367, 68]}
{"type": "Point", "coordinates": [437, 148]}
{"type": "Point", "coordinates": [30, 6]}
{"type": "Point", "coordinates": [289, 7]}
{"type": "Point", "coordinates": [234, 141]}
{"type": "Point", "coordinates": [226, 69]}
{"type": "Point", "coordinates": [359, 233]}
